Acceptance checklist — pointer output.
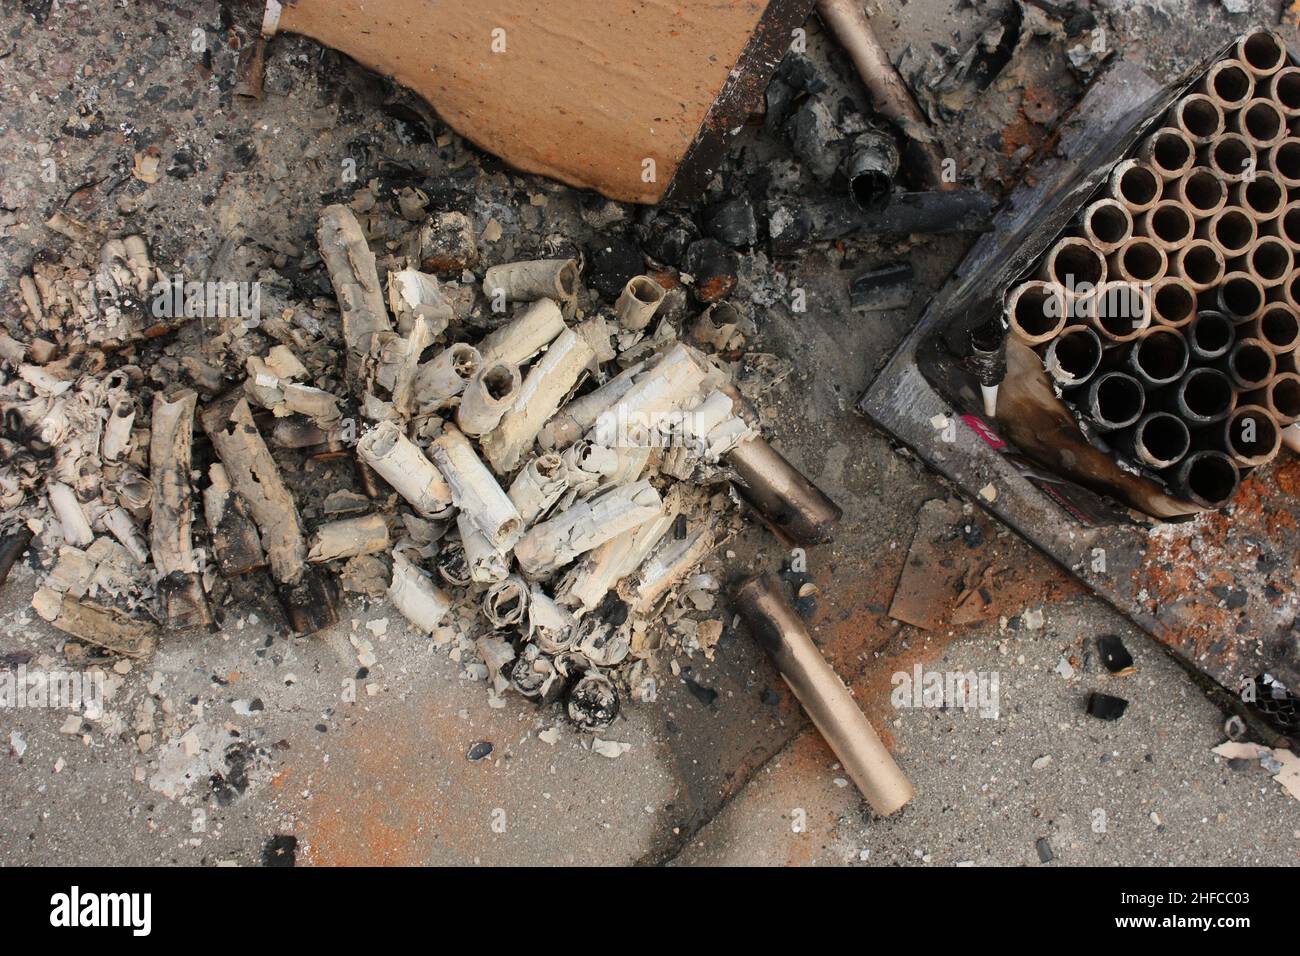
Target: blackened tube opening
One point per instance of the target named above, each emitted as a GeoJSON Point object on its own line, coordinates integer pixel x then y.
{"type": "Point", "coordinates": [1262, 121]}
{"type": "Point", "coordinates": [1232, 84]}
{"type": "Point", "coordinates": [1285, 395]}
{"type": "Point", "coordinates": [1164, 438]}
{"type": "Point", "coordinates": [1116, 400]}
{"type": "Point", "coordinates": [1078, 265]}
{"type": "Point", "coordinates": [1264, 196]}
{"type": "Point", "coordinates": [1200, 116]}
{"type": "Point", "coordinates": [1270, 259]}
{"type": "Point", "coordinates": [1206, 394]}
{"type": "Point", "coordinates": [1038, 310]}
{"type": "Point", "coordinates": [1252, 433]}
{"type": "Point", "coordinates": [1171, 223]}
{"type": "Point", "coordinates": [1201, 265]}
{"type": "Point", "coordinates": [1279, 327]}
{"type": "Point", "coordinates": [1211, 335]}
{"type": "Point", "coordinates": [1286, 159]}
{"type": "Point", "coordinates": [1173, 303]}
{"type": "Point", "coordinates": [1077, 353]}
{"type": "Point", "coordinates": [1286, 89]}
{"type": "Point", "coordinates": [1161, 356]}
{"type": "Point", "coordinates": [1171, 151]}
{"type": "Point", "coordinates": [1262, 51]}
{"type": "Point", "coordinates": [1234, 230]}
{"type": "Point", "coordinates": [1289, 225]}
{"type": "Point", "coordinates": [1230, 156]}
{"type": "Point", "coordinates": [1240, 296]}
{"type": "Point", "coordinates": [1209, 477]}
{"type": "Point", "coordinates": [1252, 364]}
{"type": "Point", "coordinates": [1109, 223]}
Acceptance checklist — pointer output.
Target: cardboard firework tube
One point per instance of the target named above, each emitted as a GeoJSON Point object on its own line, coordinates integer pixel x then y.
{"type": "Point", "coordinates": [1135, 184]}
{"type": "Point", "coordinates": [1073, 263]}
{"type": "Point", "coordinates": [1114, 400]}
{"type": "Point", "coordinates": [825, 699]}
{"type": "Point", "coordinates": [1270, 261]}
{"type": "Point", "coordinates": [180, 587]}
{"type": "Point", "coordinates": [445, 376]}
{"type": "Point", "coordinates": [1232, 230]}
{"type": "Point", "coordinates": [1229, 155]}
{"type": "Point", "coordinates": [638, 302]}
{"type": "Point", "coordinates": [1281, 396]}
{"type": "Point", "coordinates": [1200, 191]}
{"type": "Point", "coordinates": [1249, 364]}
{"type": "Point", "coordinates": [1036, 311]}
{"type": "Point", "coordinates": [1291, 292]}
{"type": "Point", "coordinates": [1173, 302]}
{"type": "Point", "coordinates": [1107, 224]}
{"type": "Point", "coordinates": [1198, 117]}
{"type": "Point", "coordinates": [1210, 335]}
{"type": "Point", "coordinates": [1138, 260]}
{"type": "Point", "coordinates": [1159, 440]}
{"type": "Point", "coordinates": [1158, 358]}
{"type": "Point", "coordinates": [1202, 397]}
{"type": "Point", "coordinates": [1260, 122]}
{"type": "Point", "coordinates": [1283, 161]}
{"type": "Point", "coordinates": [1169, 224]}
{"type": "Point", "coordinates": [1074, 356]}
{"type": "Point", "coordinates": [488, 395]}
{"type": "Point", "coordinates": [1169, 152]}
{"type": "Point", "coordinates": [1241, 296]}
{"type": "Point", "coordinates": [1262, 198]}
{"type": "Point", "coordinates": [1199, 264]}
{"type": "Point", "coordinates": [1119, 311]}
{"type": "Point", "coordinates": [1206, 478]}
{"type": "Point", "coordinates": [1250, 436]}
{"type": "Point", "coordinates": [1228, 83]}
{"type": "Point", "coordinates": [1287, 226]}
{"type": "Point", "coordinates": [532, 280]}
{"type": "Point", "coordinates": [1283, 88]}
{"type": "Point", "coordinates": [1262, 53]}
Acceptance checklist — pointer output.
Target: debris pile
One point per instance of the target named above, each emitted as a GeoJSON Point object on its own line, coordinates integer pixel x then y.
{"type": "Point", "coordinates": [538, 487]}
{"type": "Point", "coordinates": [1168, 316]}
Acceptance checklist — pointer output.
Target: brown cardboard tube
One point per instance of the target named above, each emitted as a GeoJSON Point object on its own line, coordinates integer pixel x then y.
{"type": "Point", "coordinates": [777, 627]}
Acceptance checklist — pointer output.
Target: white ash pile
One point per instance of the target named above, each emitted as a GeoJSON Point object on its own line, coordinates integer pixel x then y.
{"type": "Point", "coordinates": [545, 476]}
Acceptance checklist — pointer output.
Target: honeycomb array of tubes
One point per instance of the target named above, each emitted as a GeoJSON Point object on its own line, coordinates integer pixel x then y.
{"type": "Point", "coordinates": [1168, 314]}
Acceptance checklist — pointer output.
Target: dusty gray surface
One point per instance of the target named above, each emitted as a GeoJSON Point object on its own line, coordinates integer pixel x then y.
{"type": "Point", "coordinates": [386, 779]}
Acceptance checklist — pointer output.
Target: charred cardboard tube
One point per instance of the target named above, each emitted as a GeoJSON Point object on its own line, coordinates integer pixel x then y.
{"type": "Point", "coordinates": [586, 526]}
{"type": "Point", "coordinates": [1206, 478]}
{"type": "Point", "coordinates": [532, 280]}
{"type": "Point", "coordinates": [1250, 436]}
{"type": "Point", "coordinates": [1172, 301]}
{"type": "Point", "coordinates": [489, 394]}
{"type": "Point", "coordinates": [539, 484]}
{"type": "Point", "coordinates": [347, 538]}
{"type": "Point", "coordinates": [889, 95]}
{"type": "Point", "coordinates": [486, 564]}
{"type": "Point", "coordinates": [1074, 265]}
{"type": "Point", "coordinates": [1169, 152]}
{"type": "Point", "coordinates": [1232, 230]}
{"type": "Point", "coordinates": [1271, 261]}
{"type": "Point", "coordinates": [1249, 364]}
{"type": "Point", "coordinates": [1199, 118]}
{"type": "Point", "coordinates": [351, 266]}
{"type": "Point", "coordinates": [475, 490]}
{"type": "Point", "coordinates": [1210, 335]}
{"type": "Point", "coordinates": [1138, 260]}
{"type": "Point", "coordinates": [638, 302]}
{"type": "Point", "coordinates": [1260, 122]}
{"type": "Point", "coordinates": [117, 430]}
{"type": "Point", "coordinates": [1118, 311]}
{"type": "Point", "coordinates": [1114, 400]}
{"type": "Point", "coordinates": [1200, 191]}
{"type": "Point", "coordinates": [1168, 224]}
{"type": "Point", "coordinates": [1262, 53]}
{"type": "Point", "coordinates": [506, 602]}
{"type": "Point", "coordinates": [870, 169]}
{"type": "Point", "coordinates": [1283, 161]}
{"type": "Point", "coordinates": [549, 381]}
{"type": "Point", "coordinates": [1241, 296]}
{"type": "Point", "coordinates": [1263, 197]}
{"type": "Point", "coordinates": [828, 703]}
{"type": "Point", "coordinates": [1159, 440]}
{"type": "Point", "coordinates": [1158, 358]}
{"type": "Point", "coordinates": [1135, 184]}
{"type": "Point", "coordinates": [781, 493]}
{"type": "Point", "coordinates": [415, 595]}
{"type": "Point", "coordinates": [235, 542]}
{"type": "Point", "coordinates": [1228, 83]}
{"type": "Point", "coordinates": [1074, 356]}
{"type": "Point", "coordinates": [445, 376]}
{"type": "Point", "coordinates": [1036, 311]}
{"type": "Point", "coordinates": [1281, 396]}
{"type": "Point", "coordinates": [11, 549]}
{"type": "Point", "coordinates": [171, 444]}
{"type": "Point", "coordinates": [1230, 156]}
{"type": "Point", "coordinates": [1200, 264]}
{"type": "Point", "coordinates": [1283, 88]}
{"type": "Point", "coordinates": [399, 461]}
{"type": "Point", "coordinates": [1278, 327]}
{"type": "Point", "coordinates": [1202, 397]}
{"type": "Point", "coordinates": [309, 598]}
{"type": "Point", "coordinates": [579, 414]}
{"type": "Point", "coordinates": [1107, 224]}
{"type": "Point", "coordinates": [530, 331]}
